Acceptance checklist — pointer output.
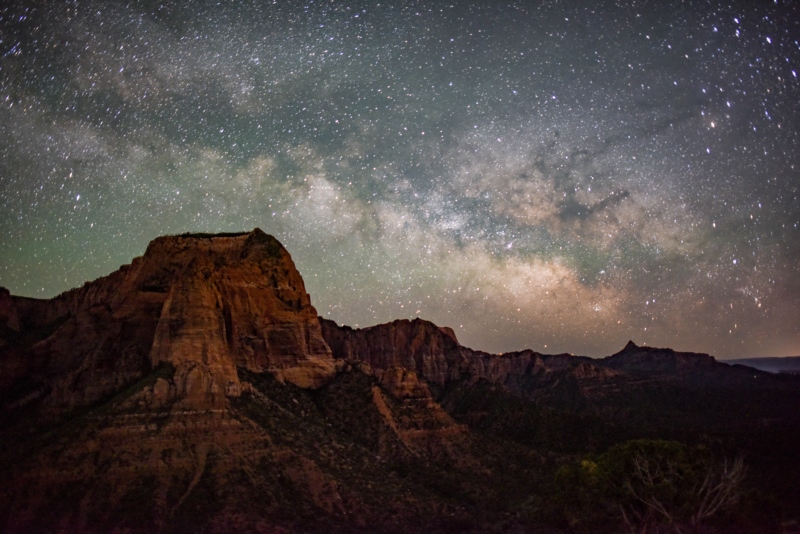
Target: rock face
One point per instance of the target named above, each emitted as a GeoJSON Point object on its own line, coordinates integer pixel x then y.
{"type": "Point", "coordinates": [656, 361]}
{"type": "Point", "coordinates": [202, 304]}
{"type": "Point", "coordinates": [400, 349]}
{"type": "Point", "coordinates": [433, 354]}
{"type": "Point", "coordinates": [233, 302]}
{"type": "Point", "coordinates": [689, 368]}
{"type": "Point", "coordinates": [209, 304]}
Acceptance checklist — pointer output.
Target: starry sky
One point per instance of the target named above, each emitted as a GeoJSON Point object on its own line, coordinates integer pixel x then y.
{"type": "Point", "coordinates": [556, 175]}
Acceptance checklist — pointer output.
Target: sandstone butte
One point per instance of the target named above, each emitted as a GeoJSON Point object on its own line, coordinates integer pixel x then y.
{"type": "Point", "coordinates": [204, 304]}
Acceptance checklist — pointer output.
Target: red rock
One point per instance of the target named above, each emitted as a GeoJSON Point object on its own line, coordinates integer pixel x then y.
{"type": "Point", "coordinates": [436, 358]}
{"type": "Point", "coordinates": [204, 304]}
{"type": "Point", "coordinates": [420, 346]}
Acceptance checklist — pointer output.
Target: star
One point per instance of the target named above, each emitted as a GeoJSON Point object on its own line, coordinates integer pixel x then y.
{"type": "Point", "coordinates": [530, 176]}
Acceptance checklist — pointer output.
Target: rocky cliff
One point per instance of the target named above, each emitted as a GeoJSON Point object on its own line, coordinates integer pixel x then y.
{"type": "Point", "coordinates": [204, 304]}
{"type": "Point", "coordinates": [209, 304]}
{"type": "Point", "coordinates": [431, 353]}
{"type": "Point", "coordinates": [657, 361]}
{"type": "Point", "coordinates": [689, 368]}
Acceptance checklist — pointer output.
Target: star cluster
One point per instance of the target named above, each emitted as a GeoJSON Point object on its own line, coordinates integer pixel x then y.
{"type": "Point", "coordinates": [560, 175]}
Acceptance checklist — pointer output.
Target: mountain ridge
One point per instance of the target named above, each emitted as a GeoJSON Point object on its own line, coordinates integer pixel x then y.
{"type": "Point", "coordinates": [199, 379]}
{"type": "Point", "coordinates": [771, 364]}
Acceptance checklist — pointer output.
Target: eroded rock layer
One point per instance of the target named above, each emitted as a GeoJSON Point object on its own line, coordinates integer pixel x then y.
{"type": "Point", "coordinates": [203, 304]}
{"type": "Point", "coordinates": [401, 353]}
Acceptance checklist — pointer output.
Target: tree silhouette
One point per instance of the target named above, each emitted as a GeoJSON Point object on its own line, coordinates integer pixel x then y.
{"type": "Point", "coordinates": [655, 486]}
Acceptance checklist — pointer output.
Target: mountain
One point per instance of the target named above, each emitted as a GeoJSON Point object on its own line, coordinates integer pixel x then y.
{"type": "Point", "coordinates": [786, 364]}
{"type": "Point", "coordinates": [201, 304]}
{"type": "Point", "coordinates": [197, 389]}
{"type": "Point", "coordinates": [434, 355]}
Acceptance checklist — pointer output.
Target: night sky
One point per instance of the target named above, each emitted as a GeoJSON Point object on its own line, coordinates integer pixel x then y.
{"type": "Point", "coordinates": [561, 176]}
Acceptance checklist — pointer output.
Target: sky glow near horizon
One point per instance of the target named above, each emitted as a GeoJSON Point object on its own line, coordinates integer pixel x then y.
{"type": "Point", "coordinates": [561, 176]}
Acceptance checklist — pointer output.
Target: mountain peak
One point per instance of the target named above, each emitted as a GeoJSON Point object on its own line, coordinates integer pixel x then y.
{"type": "Point", "coordinates": [630, 346]}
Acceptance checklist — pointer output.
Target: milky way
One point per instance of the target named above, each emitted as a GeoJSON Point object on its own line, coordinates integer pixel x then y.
{"type": "Point", "coordinates": [562, 176]}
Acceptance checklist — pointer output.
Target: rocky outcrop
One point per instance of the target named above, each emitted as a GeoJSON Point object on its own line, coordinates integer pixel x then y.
{"type": "Point", "coordinates": [633, 359]}
{"type": "Point", "coordinates": [209, 304]}
{"type": "Point", "coordinates": [434, 355]}
{"type": "Point", "coordinates": [204, 304]}
{"type": "Point", "coordinates": [9, 318]}
{"type": "Point", "coordinates": [236, 302]}
{"type": "Point", "coordinates": [688, 368]}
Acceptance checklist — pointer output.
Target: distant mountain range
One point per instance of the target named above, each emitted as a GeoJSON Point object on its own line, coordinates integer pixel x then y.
{"type": "Point", "coordinates": [197, 390]}
{"type": "Point", "coordinates": [786, 364]}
